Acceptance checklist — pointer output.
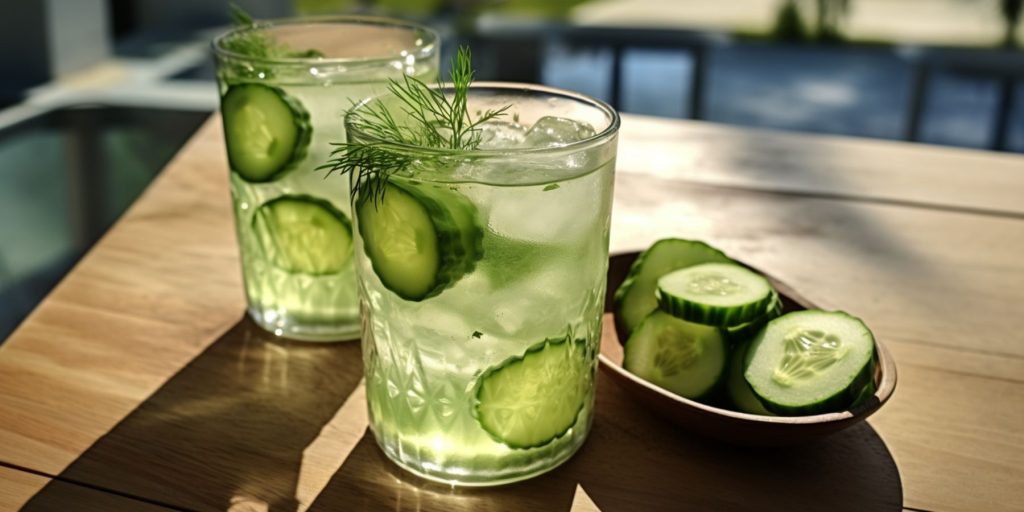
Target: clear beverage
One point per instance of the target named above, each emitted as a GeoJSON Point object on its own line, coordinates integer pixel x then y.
{"type": "Point", "coordinates": [491, 379]}
{"type": "Point", "coordinates": [293, 224]}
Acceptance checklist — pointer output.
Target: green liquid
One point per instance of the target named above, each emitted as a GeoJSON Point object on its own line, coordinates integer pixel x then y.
{"type": "Point", "coordinates": [293, 304]}
{"type": "Point", "coordinates": [543, 271]}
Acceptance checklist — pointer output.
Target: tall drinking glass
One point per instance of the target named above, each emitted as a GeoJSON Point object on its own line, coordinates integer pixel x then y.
{"type": "Point", "coordinates": [482, 280]}
{"type": "Point", "coordinates": [285, 87]}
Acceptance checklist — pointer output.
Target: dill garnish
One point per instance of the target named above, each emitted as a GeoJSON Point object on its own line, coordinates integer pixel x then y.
{"type": "Point", "coordinates": [433, 120]}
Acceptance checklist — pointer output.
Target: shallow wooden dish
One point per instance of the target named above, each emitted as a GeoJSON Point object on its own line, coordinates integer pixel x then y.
{"type": "Point", "coordinates": [731, 426]}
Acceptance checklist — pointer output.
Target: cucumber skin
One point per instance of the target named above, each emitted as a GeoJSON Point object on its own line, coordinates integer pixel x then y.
{"type": "Point", "coordinates": [635, 270]}
{"type": "Point", "coordinates": [323, 203]}
{"type": "Point", "coordinates": [841, 401]}
{"type": "Point", "coordinates": [712, 315]}
{"type": "Point", "coordinates": [303, 127]}
{"type": "Point", "coordinates": [456, 257]}
{"type": "Point", "coordinates": [741, 333]}
{"type": "Point", "coordinates": [518, 359]}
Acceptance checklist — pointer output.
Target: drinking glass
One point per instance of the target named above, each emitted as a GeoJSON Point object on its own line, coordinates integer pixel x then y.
{"type": "Point", "coordinates": [285, 87]}
{"type": "Point", "coordinates": [482, 282]}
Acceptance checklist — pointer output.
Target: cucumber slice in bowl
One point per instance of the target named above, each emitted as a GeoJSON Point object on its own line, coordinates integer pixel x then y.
{"type": "Point", "coordinates": [685, 358]}
{"type": "Point", "coordinates": [741, 396]}
{"type": "Point", "coordinates": [635, 298]}
{"type": "Point", "coordinates": [420, 239]}
{"type": "Point", "coordinates": [744, 332]}
{"type": "Point", "coordinates": [810, 362]}
{"type": "Point", "coordinates": [530, 400]}
{"type": "Point", "coordinates": [266, 131]}
{"type": "Point", "coordinates": [722, 294]}
{"type": "Point", "coordinates": [304, 234]}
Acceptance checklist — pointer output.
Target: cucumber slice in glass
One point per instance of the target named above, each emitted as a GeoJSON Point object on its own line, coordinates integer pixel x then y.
{"type": "Point", "coordinates": [635, 299]}
{"type": "Point", "coordinates": [685, 358]}
{"type": "Point", "coordinates": [722, 294]}
{"type": "Point", "coordinates": [810, 362]}
{"type": "Point", "coordinates": [304, 234]}
{"type": "Point", "coordinates": [420, 239]}
{"type": "Point", "coordinates": [265, 130]}
{"type": "Point", "coordinates": [530, 400]}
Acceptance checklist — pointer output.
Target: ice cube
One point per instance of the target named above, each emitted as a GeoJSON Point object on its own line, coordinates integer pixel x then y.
{"type": "Point", "coordinates": [501, 135]}
{"type": "Point", "coordinates": [551, 131]}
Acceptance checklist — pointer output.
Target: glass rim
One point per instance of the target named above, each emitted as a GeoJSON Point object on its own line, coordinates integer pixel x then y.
{"type": "Point", "coordinates": [424, 52]}
{"type": "Point", "coordinates": [594, 140]}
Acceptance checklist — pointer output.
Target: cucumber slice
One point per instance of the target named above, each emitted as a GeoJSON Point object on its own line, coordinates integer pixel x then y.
{"type": "Point", "coordinates": [530, 400]}
{"type": "Point", "coordinates": [635, 299]}
{"type": "Point", "coordinates": [743, 332]}
{"type": "Point", "coordinates": [810, 362]}
{"type": "Point", "coordinates": [865, 394]}
{"type": "Point", "coordinates": [420, 239]}
{"type": "Point", "coordinates": [304, 234]}
{"type": "Point", "coordinates": [266, 131]}
{"type": "Point", "coordinates": [721, 294]}
{"type": "Point", "coordinates": [685, 358]}
{"type": "Point", "coordinates": [742, 397]}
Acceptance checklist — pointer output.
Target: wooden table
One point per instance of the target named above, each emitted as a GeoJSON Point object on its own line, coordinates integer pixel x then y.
{"type": "Point", "coordinates": [138, 384]}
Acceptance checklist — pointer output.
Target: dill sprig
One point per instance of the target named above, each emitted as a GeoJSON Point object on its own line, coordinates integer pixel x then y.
{"type": "Point", "coordinates": [256, 43]}
{"type": "Point", "coordinates": [434, 120]}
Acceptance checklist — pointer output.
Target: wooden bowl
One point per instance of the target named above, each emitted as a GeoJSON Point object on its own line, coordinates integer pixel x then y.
{"type": "Point", "coordinates": [723, 424]}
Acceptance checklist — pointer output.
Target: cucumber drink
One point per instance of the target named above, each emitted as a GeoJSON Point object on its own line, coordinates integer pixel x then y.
{"type": "Point", "coordinates": [482, 277]}
{"type": "Point", "coordinates": [285, 87]}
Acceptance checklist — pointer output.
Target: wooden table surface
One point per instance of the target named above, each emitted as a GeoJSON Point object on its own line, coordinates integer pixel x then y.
{"type": "Point", "coordinates": [138, 384]}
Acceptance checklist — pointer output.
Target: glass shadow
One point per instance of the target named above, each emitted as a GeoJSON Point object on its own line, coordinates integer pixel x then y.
{"type": "Point", "coordinates": [636, 461]}
{"type": "Point", "coordinates": [233, 422]}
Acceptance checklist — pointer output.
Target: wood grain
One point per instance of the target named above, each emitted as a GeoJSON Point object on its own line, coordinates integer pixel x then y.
{"type": "Point", "coordinates": [33, 493]}
{"type": "Point", "coordinates": [826, 165]}
{"type": "Point", "coordinates": [139, 374]}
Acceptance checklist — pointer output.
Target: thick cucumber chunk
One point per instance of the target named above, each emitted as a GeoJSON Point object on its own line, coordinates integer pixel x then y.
{"type": "Point", "coordinates": [810, 362]}
{"type": "Point", "coordinates": [420, 239]}
{"type": "Point", "coordinates": [266, 131]}
{"type": "Point", "coordinates": [685, 358]}
{"type": "Point", "coordinates": [635, 299]}
{"type": "Point", "coordinates": [304, 234]}
{"type": "Point", "coordinates": [742, 397]}
{"type": "Point", "coordinates": [722, 294]}
{"type": "Point", "coordinates": [532, 399]}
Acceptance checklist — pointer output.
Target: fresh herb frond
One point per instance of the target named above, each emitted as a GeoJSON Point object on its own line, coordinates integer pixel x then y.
{"type": "Point", "coordinates": [368, 166]}
{"type": "Point", "coordinates": [256, 43]}
{"type": "Point", "coordinates": [429, 119]}
{"type": "Point", "coordinates": [239, 16]}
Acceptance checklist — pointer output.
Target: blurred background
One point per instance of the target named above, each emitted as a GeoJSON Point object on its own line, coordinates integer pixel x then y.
{"type": "Point", "coordinates": [97, 95]}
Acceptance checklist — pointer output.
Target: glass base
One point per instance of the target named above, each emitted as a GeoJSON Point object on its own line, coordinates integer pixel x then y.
{"type": "Point", "coordinates": [467, 480]}
{"type": "Point", "coordinates": [296, 330]}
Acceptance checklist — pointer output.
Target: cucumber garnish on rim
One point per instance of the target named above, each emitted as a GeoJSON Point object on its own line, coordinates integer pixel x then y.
{"type": "Point", "coordinates": [304, 234]}
{"type": "Point", "coordinates": [419, 237]}
{"type": "Point", "coordinates": [421, 240]}
{"type": "Point", "coordinates": [530, 400]}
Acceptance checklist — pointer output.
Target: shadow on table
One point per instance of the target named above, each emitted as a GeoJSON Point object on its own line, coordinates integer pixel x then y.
{"type": "Point", "coordinates": [635, 461]}
{"type": "Point", "coordinates": [228, 432]}
{"type": "Point", "coordinates": [229, 428]}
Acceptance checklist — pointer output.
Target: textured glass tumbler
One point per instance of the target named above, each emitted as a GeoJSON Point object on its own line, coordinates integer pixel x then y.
{"type": "Point", "coordinates": [285, 87]}
{"type": "Point", "coordinates": [482, 282]}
